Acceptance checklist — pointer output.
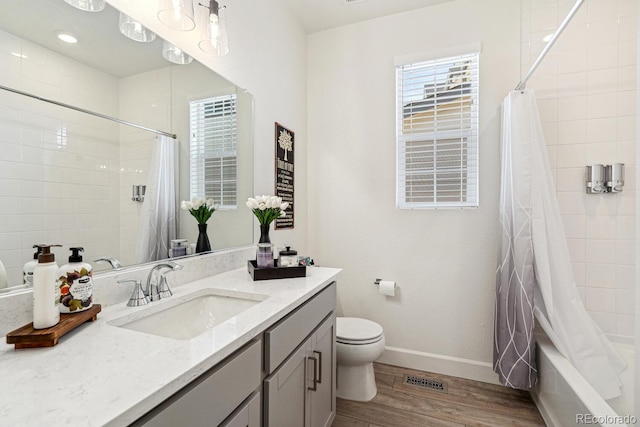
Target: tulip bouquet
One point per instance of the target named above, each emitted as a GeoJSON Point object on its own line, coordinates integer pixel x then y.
{"type": "Point", "coordinates": [200, 208]}
{"type": "Point", "coordinates": [267, 208]}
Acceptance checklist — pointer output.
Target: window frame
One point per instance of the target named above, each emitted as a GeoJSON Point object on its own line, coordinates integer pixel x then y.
{"type": "Point", "coordinates": [205, 151]}
{"type": "Point", "coordinates": [468, 135]}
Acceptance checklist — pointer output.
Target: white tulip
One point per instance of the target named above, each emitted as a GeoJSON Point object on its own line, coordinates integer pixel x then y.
{"type": "Point", "coordinates": [197, 202]}
{"type": "Point", "coordinates": [262, 206]}
{"type": "Point", "coordinates": [183, 205]}
{"type": "Point", "coordinates": [284, 206]}
{"type": "Point", "coordinates": [252, 203]}
{"type": "Point", "coordinates": [283, 214]}
{"type": "Point", "coordinates": [210, 203]}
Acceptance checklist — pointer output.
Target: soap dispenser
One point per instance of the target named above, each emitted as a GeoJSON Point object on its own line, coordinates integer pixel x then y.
{"type": "Point", "coordinates": [76, 284]}
{"type": "Point", "coordinates": [46, 292]}
{"type": "Point", "coordinates": [27, 270]}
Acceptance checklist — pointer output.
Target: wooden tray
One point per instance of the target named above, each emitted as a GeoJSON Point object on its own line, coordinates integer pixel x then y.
{"type": "Point", "coordinates": [28, 337]}
{"type": "Point", "coordinates": [275, 272]}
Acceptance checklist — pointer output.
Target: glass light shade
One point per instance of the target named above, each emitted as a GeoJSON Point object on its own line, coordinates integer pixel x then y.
{"type": "Point", "coordinates": [177, 14]}
{"type": "Point", "coordinates": [134, 30]}
{"type": "Point", "coordinates": [215, 39]}
{"type": "Point", "coordinates": [174, 54]}
{"type": "Point", "coordinates": [87, 5]}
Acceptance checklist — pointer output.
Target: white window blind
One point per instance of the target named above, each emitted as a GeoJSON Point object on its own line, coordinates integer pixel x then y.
{"type": "Point", "coordinates": [213, 129]}
{"type": "Point", "coordinates": [437, 133]}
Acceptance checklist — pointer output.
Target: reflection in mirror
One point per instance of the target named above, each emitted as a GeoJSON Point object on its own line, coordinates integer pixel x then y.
{"type": "Point", "coordinates": [68, 177]}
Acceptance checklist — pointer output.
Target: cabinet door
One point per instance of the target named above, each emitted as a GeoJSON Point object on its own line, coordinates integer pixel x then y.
{"type": "Point", "coordinates": [322, 400]}
{"type": "Point", "coordinates": [285, 391]}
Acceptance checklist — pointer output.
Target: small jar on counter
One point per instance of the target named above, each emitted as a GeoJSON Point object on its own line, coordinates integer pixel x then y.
{"type": "Point", "coordinates": [288, 257]}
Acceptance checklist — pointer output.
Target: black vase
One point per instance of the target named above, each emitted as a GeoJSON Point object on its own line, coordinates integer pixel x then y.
{"type": "Point", "coordinates": [202, 245]}
{"type": "Point", "coordinates": [264, 233]}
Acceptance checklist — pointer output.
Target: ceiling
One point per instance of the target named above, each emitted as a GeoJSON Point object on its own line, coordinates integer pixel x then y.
{"type": "Point", "coordinates": [318, 15]}
{"type": "Point", "coordinates": [101, 45]}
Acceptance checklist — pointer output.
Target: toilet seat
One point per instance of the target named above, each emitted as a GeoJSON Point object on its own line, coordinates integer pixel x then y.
{"type": "Point", "coordinates": [356, 331]}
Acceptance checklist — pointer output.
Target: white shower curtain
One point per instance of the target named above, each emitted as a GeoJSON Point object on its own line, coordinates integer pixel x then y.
{"type": "Point", "coordinates": [534, 204]}
{"type": "Point", "coordinates": [159, 217]}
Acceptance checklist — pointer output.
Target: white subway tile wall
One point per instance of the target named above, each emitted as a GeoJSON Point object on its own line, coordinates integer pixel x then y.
{"type": "Point", "coordinates": [586, 89]}
{"type": "Point", "coordinates": [58, 168]}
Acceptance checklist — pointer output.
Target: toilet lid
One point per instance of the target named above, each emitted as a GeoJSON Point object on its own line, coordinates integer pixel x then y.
{"type": "Point", "coordinates": [354, 329]}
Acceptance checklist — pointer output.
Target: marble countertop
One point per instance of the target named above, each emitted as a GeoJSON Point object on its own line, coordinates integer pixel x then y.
{"type": "Point", "coordinates": [104, 375]}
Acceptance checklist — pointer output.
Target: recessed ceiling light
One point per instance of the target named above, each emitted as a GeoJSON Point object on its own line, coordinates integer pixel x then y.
{"type": "Point", "coordinates": [67, 37]}
{"type": "Point", "coordinates": [547, 38]}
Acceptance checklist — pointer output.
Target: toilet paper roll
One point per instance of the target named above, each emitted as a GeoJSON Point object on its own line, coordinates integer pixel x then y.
{"type": "Point", "coordinates": [387, 287]}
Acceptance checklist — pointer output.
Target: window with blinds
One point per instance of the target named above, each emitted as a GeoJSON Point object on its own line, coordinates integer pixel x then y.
{"type": "Point", "coordinates": [214, 138]}
{"type": "Point", "coordinates": [437, 133]}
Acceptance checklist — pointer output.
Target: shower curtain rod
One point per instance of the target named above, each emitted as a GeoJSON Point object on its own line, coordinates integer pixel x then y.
{"type": "Point", "coordinates": [82, 110]}
{"type": "Point", "coordinates": [549, 45]}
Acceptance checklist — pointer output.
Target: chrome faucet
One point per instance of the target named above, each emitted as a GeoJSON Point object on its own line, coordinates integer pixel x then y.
{"type": "Point", "coordinates": [112, 261]}
{"type": "Point", "coordinates": [160, 288]}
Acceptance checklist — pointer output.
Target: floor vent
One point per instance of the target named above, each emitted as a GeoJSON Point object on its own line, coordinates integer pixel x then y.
{"type": "Point", "coordinates": [425, 383]}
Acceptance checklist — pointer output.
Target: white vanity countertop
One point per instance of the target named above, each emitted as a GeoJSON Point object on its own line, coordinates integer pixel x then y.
{"type": "Point", "coordinates": [104, 375]}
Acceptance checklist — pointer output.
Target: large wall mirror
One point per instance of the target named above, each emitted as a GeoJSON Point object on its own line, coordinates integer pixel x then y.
{"type": "Point", "coordinates": [67, 177]}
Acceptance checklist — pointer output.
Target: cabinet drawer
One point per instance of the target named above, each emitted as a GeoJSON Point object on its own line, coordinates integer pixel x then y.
{"type": "Point", "coordinates": [283, 338]}
{"type": "Point", "coordinates": [248, 415]}
{"type": "Point", "coordinates": [209, 399]}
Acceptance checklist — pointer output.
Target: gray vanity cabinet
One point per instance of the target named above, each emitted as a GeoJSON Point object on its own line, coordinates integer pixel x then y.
{"type": "Point", "coordinates": [283, 378]}
{"type": "Point", "coordinates": [300, 391]}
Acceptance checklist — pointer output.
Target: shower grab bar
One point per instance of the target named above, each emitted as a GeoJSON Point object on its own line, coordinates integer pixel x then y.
{"type": "Point", "coordinates": [82, 110]}
{"type": "Point", "coordinates": [549, 45]}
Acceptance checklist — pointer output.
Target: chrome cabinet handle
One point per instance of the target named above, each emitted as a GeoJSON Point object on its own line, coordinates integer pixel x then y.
{"type": "Point", "coordinates": [320, 364]}
{"type": "Point", "coordinates": [315, 369]}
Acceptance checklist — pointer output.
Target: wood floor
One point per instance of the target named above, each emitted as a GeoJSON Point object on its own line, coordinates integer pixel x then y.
{"type": "Point", "coordinates": [465, 403]}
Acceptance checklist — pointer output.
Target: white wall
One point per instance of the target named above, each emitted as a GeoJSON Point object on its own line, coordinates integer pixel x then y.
{"type": "Point", "coordinates": [443, 260]}
{"type": "Point", "coordinates": [268, 58]}
{"type": "Point", "coordinates": [586, 89]}
{"type": "Point", "coordinates": [58, 168]}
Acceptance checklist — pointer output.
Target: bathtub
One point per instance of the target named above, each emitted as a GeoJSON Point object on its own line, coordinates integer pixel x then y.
{"type": "Point", "coordinates": [565, 398]}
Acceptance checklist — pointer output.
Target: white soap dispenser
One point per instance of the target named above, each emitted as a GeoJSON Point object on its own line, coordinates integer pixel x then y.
{"type": "Point", "coordinates": [27, 270]}
{"type": "Point", "coordinates": [46, 292]}
{"type": "Point", "coordinates": [76, 284]}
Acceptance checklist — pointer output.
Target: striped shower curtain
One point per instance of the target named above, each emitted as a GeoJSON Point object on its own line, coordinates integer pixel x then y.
{"type": "Point", "coordinates": [514, 344]}
{"type": "Point", "coordinates": [534, 254]}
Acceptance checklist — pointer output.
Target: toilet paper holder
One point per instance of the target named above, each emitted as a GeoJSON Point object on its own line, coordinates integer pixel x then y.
{"type": "Point", "coordinates": [377, 282]}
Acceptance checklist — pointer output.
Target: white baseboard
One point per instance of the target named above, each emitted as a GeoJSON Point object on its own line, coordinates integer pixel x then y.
{"type": "Point", "coordinates": [440, 364]}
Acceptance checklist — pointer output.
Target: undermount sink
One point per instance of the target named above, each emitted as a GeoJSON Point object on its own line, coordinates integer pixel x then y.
{"type": "Point", "coordinates": [191, 315]}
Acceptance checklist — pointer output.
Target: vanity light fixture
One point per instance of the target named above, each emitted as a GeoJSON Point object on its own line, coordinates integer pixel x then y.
{"type": "Point", "coordinates": [215, 39]}
{"type": "Point", "coordinates": [134, 30]}
{"type": "Point", "coordinates": [174, 54]}
{"type": "Point", "coordinates": [66, 37]}
{"type": "Point", "coordinates": [87, 5]}
{"type": "Point", "coordinates": [177, 14]}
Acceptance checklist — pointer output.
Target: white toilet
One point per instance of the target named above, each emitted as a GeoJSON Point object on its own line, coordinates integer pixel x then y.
{"type": "Point", "coordinates": [358, 343]}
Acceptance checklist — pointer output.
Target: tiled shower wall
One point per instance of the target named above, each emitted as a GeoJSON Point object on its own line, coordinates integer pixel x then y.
{"type": "Point", "coordinates": [586, 91]}
{"type": "Point", "coordinates": [58, 168]}
{"type": "Point", "coordinates": [145, 99]}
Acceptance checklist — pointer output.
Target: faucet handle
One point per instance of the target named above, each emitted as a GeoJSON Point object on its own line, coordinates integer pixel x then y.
{"type": "Point", "coordinates": [137, 297]}
{"type": "Point", "coordinates": [163, 287]}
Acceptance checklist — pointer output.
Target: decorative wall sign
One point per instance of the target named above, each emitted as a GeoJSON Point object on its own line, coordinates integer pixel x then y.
{"type": "Point", "coordinates": [284, 173]}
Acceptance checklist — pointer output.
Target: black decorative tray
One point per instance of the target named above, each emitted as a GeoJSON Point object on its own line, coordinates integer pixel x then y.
{"type": "Point", "coordinates": [258, 273]}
